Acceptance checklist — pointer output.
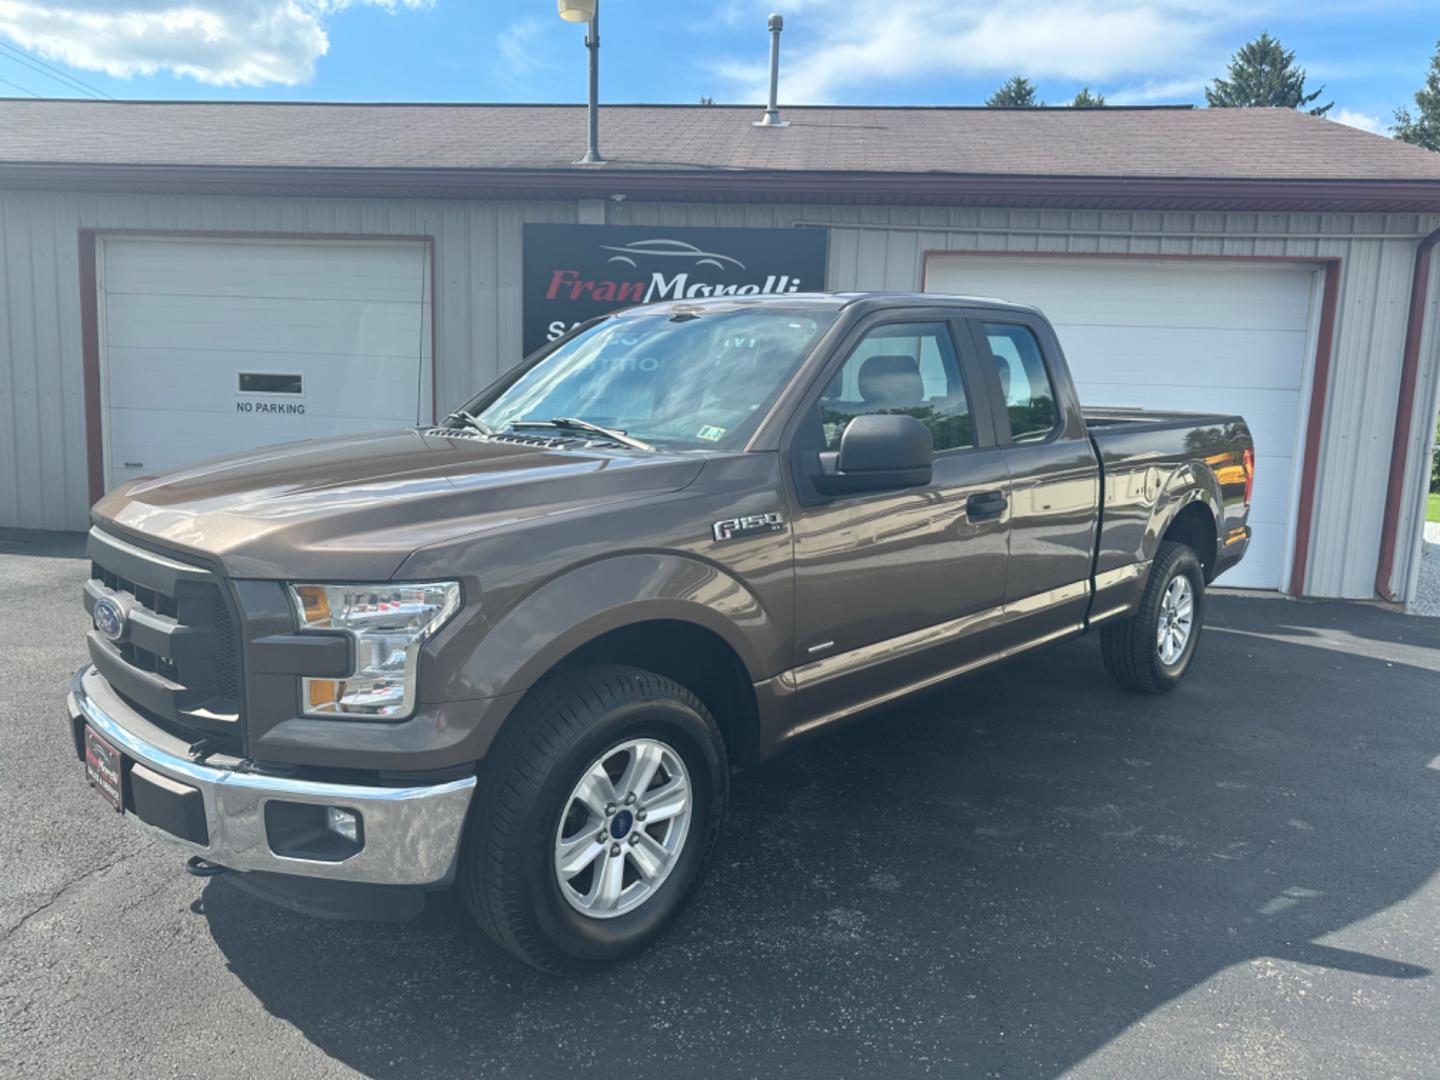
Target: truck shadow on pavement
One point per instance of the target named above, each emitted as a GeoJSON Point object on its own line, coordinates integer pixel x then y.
{"type": "Point", "coordinates": [1003, 876]}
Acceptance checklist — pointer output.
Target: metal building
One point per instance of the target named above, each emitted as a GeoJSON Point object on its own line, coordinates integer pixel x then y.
{"type": "Point", "coordinates": [183, 280]}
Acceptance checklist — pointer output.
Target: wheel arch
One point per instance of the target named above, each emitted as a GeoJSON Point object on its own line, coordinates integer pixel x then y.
{"type": "Point", "coordinates": [1195, 526]}
{"type": "Point", "coordinates": [1189, 512]}
{"type": "Point", "coordinates": [695, 657]}
{"type": "Point", "coordinates": [682, 618]}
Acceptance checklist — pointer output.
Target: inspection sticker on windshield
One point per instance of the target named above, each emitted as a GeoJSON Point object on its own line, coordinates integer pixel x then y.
{"type": "Point", "coordinates": [711, 432]}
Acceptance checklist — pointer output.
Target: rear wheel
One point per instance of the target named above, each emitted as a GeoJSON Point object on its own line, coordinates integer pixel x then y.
{"type": "Point", "coordinates": [595, 817]}
{"type": "Point", "coordinates": [1151, 651]}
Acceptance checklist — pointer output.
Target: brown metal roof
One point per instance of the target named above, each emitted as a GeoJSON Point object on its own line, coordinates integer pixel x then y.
{"type": "Point", "coordinates": [835, 153]}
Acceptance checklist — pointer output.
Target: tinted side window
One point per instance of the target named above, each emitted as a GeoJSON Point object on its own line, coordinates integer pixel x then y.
{"type": "Point", "coordinates": [908, 368]}
{"type": "Point", "coordinates": [1029, 395]}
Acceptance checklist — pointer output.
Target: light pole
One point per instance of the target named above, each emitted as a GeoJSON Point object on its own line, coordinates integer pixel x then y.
{"type": "Point", "coordinates": [588, 11]}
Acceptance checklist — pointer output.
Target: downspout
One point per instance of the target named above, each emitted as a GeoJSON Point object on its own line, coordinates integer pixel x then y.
{"type": "Point", "coordinates": [1404, 410]}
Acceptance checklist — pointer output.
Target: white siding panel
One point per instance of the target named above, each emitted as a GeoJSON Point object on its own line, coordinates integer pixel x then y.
{"type": "Point", "coordinates": [15, 458]}
{"type": "Point", "coordinates": [1360, 419]}
{"type": "Point", "coordinates": [1422, 443]}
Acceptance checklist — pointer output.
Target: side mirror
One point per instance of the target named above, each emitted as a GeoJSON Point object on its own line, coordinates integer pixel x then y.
{"type": "Point", "coordinates": [878, 452]}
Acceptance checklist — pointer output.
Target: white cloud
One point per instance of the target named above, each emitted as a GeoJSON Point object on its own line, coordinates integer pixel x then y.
{"type": "Point", "coordinates": [1158, 91]}
{"type": "Point", "coordinates": [519, 46]}
{"type": "Point", "coordinates": [1356, 119]}
{"type": "Point", "coordinates": [226, 42]}
{"type": "Point", "coordinates": [834, 48]}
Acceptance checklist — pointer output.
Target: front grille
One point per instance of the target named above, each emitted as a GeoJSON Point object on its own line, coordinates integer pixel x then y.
{"type": "Point", "coordinates": [178, 656]}
{"type": "Point", "coordinates": [155, 601]}
{"type": "Point", "coordinates": [147, 600]}
{"type": "Point", "coordinates": [227, 652]}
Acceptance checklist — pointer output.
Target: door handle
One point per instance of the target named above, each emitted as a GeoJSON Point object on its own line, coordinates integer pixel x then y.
{"type": "Point", "coordinates": [987, 504]}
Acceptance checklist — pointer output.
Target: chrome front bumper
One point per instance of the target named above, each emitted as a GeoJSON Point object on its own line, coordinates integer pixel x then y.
{"type": "Point", "coordinates": [412, 834]}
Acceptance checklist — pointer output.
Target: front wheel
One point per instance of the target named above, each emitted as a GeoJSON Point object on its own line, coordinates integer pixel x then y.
{"type": "Point", "coordinates": [594, 818]}
{"type": "Point", "coordinates": [1151, 651]}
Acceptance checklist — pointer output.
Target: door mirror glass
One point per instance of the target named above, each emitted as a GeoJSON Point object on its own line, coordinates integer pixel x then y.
{"type": "Point", "coordinates": [878, 451]}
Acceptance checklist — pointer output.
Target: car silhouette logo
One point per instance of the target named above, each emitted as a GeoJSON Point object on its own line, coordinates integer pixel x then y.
{"type": "Point", "coordinates": [670, 249]}
{"type": "Point", "coordinates": [109, 618]}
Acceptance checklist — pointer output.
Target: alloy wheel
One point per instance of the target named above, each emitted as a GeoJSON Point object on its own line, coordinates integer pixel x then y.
{"type": "Point", "coordinates": [1177, 615]}
{"type": "Point", "coordinates": [622, 828]}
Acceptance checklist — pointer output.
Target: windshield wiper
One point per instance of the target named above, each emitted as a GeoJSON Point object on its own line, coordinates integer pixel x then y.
{"type": "Point", "coordinates": [577, 424]}
{"type": "Point", "coordinates": [470, 421]}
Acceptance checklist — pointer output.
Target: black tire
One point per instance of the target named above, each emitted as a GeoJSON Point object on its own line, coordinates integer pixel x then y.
{"type": "Point", "coordinates": [507, 874]}
{"type": "Point", "coordinates": [1129, 645]}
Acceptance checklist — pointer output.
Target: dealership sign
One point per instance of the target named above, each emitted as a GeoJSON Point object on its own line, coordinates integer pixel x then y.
{"type": "Point", "coordinates": [575, 272]}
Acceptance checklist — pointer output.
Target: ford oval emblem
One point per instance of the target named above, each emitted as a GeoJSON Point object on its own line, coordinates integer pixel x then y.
{"type": "Point", "coordinates": [109, 618]}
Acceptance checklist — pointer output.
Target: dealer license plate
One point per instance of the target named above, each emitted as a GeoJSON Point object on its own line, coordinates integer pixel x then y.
{"type": "Point", "coordinates": [102, 769]}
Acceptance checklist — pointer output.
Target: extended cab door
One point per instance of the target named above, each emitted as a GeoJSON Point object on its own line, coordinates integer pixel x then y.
{"type": "Point", "coordinates": [891, 586]}
{"type": "Point", "coordinates": [1053, 471]}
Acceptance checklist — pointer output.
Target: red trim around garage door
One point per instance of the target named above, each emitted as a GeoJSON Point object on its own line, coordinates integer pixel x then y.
{"type": "Point", "coordinates": [90, 318]}
{"type": "Point", "coordinates": [1319, 383]}
{"type": "Point", "coordinates": [90, 356]}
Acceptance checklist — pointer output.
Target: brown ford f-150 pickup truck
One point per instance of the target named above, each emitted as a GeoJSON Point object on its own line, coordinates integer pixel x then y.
{"type": "Point", "coordinates": [520, 651]}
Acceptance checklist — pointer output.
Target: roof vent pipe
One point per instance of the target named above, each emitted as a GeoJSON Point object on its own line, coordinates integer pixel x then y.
{"type": "Point", "coordinates": [772, 113]}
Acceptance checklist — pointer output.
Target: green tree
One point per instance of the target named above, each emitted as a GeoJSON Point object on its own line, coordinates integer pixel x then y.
{"type": "Point", "coordinates": [1017, 93]}
{"type": "Point", "coordinates": [1264, 73]}
{"type": "Point", "coordinates": [1086, 100]}
{"type": "Point", "coordinates": [1423, 128]}
{"type": "Point", "coordinates": [1435, 462]}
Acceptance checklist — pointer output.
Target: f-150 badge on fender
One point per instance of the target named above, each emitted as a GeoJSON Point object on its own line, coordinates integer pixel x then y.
{"type": "Point", "coordinates": [749, 525]}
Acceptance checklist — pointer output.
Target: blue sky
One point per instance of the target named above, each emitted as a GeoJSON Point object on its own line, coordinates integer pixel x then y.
{"type": "Point", "coordinates": [1371, 56]}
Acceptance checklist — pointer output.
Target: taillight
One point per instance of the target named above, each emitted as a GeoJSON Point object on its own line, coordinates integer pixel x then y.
{"type": "Point", "coordinates": [1249, 474]}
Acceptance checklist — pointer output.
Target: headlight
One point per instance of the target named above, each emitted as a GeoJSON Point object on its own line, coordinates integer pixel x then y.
{"type": "Point", "coordinates": [389, 624]}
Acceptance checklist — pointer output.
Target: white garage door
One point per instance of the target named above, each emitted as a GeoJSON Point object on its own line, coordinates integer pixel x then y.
{"type": "Point", "coordinates": [1196, 336]}
{"type": "Point", "coordinates": [210, 346]}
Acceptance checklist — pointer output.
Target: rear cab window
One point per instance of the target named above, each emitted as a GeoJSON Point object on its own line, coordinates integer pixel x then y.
{"type": "Point", "coordinates": [1029, 393]}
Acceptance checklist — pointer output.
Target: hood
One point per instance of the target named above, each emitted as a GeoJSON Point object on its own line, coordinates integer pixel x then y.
{"type": "Point", "coordinates": [355, 507]}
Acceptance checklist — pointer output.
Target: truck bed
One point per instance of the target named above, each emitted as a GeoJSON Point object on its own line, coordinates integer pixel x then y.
{"type": "Point", "coordinates": [1152, 419]}
{"type": "Point", "coordinates": [1147, 458]}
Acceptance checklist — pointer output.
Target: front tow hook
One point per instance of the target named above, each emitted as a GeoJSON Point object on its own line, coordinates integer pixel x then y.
{"type": "Point", "coordinates": [202, 868]}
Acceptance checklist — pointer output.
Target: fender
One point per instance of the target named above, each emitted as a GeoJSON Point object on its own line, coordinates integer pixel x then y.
{"type": "Point", "coordinates": [582, 604]}
{"type": "Point", "coordinates": [1128, 547]}
{"type": "Point", "coordinates": [1192, 482]}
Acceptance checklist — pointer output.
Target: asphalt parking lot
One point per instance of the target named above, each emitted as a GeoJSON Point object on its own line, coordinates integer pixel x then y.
{"type": "Point", "coordinates": [1022, 875]}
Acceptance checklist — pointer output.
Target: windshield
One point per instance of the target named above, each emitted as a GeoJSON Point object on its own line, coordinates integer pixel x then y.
{"type": "Point", "coordinates": [679, 380]}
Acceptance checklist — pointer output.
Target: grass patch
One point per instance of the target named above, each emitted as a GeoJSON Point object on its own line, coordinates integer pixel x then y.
{"type": "Point", "coordinates": [1432, 507]}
